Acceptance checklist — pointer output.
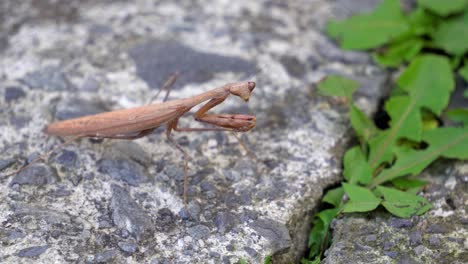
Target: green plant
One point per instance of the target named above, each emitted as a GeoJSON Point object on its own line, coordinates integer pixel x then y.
{"type": "Point", "coordinates": [380, 171]}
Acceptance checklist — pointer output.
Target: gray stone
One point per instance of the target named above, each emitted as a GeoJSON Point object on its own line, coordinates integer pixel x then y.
{"type": "Point", "coordinates": [371, 238]}
{"type": "Point", "coordinates": [128, 247]}
{"type": "Point", "coordinates": [9, 236]}
{"type": "Point", "coordinates": [123, 170]}
{"type": "Point", "coordinates": [436, 229]}
{"type": "Point", "coordinates": [127, 214]}
{"type": "Point", "coordinates": [32, 252]}
{"type": "Point", "coordinates": [37, 174]}
{"type": "Point", "coordinates": [48, 78]}
{"type": "Point", "coordinates": [225, 221]}
{"type": "Point", "coordinates": [293, 66]}
{"type": "Point", "coordinates": [90, 85]}
{"type": "Point", "coordinates": [5, 163]}
{"type": "Point", "coordinates": [60, 192]}
{"type": "Point", "coordinates": [275, 232]}
{"type": "Point", "coordinates": [13, 93]}
{"type": "Point", "coordinates": [214, 255]}
{"type": "Point", "coordinates": [252, 252]}
{"type": "Point", "coordinates": [415, 238]}
{"type": "Point", "coordinates": [171, 56]}
{"type": "Point", "coordinates": [105, 256]}
{"type": "Point", "coordinates": [207, 186]}
{"type": "Point", "coordinates": [72, 107]}
{"type": "Point", "coordinates": [419, 250]}
{"type": "Point", "coordinates": [434, 241]}
{"type": "Point", "coordinates": [391, 254]}
{"type": "Point", "coordinates": [20, 121]}
{"type": "Point", "coordinates": [67, 158]}
{"type": "Point", "coordinates": [400, 222]}
{"type": "Point", "coordinates": [52, 217]}
{"type": "Point", "coordinates": [165, 220]}
{"type": "Point", "coordinates": [199, 231]}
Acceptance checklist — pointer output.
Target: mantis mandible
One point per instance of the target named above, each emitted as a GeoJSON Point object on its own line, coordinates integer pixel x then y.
{"type": "Point", "coordinates": [138, 122]}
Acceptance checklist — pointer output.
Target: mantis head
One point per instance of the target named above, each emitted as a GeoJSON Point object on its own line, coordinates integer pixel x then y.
{"type": "Point", "coordinates": [242, 89]}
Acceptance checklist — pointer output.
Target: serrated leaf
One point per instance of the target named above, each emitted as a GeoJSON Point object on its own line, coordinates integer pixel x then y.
{"type": "Point", "coordinates": [334, 196]}
{"type": "Point", "coordinates": [426, 90]}
{"type": "Point", "coordinates": [452, 35]}
{"type": "Point", "coordinates": [356, 168]}
{"type": "Point", "coordinates": [405, 184]}
{"type": "Point", "coordinates": [403, 204]}
{"type": "Point", "coordinates": [449, 142]}
{"type": "Point", "coordinates": [360, 199]}
{"type": "Point", "coordinates": [405, 122]}
{"type": "Point", "coordinates": [404, 116]}
{"type": "Point", "coordinates": [334, 85]}
{"type": "Point", "coordinates": [458, 115]}
{"type": "Point", "coordinates": [399, 52]}
{"type": "Point", "coordinates": [444, 8]}
{"type": "Point", "coordinates": [366, 31]}
{"type": "Point", "coordinates": [362, 125]}
{"type": "Point", "coordinates": [464, 71]}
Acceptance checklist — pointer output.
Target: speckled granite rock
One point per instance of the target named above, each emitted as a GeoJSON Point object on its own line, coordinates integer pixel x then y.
{"type": "Point", "coordinates": [115, 201]}
{"type": "Point", "coordinates": [440, 236]}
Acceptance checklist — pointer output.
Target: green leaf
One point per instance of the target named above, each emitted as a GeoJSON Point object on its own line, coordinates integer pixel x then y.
{"type": "Point", "coordinates": [243, 261]}
{"type": "Point", "coordinates": [422, 22]}
{"type": "Point", "coordinates": [430, 90]}
{"type": "Point", "coordinates": [356, 168]}
{"type": "Point", "coordinates": [399, 52]}
{"type": "Point", "coordinates": [458, 115]}
{"type": "Point", "coordinates": [334, 196]}
{"type": "Point", "coordinates": [360, 199]}
{"type": "Point", "coordinates": [449, 142]}
{"type": "Point", "coordinates": [452, 35]}
{"type": "Point", "coordinates": [444, 8]}
{"type": "Point", "coordinates": [403, 204]}
{"type": "Point", "coordinates": [267, 260]}
{"type": "Point", "coordinates": [316, 260]}
{"type": "Point", "coordinates": [362, 125]}
{"type": "Point", "coordinates": [405, 122]}
{"type": "Point", "coordinates": [410, 126]}
{"type": "Point", "coordinates": [366, 31]}
{"type": "Point", "coordinates": [405, 183]}
{"type": "Point", "coordinates": [318, 236]}
{"type": "Point", "coordinates": [464, 71]}
{"type": "Point", "coordinates": [465, 93]}
{"type": "Point", "coordinates": [334, 85]}
{"type": "Point", "coordinates": [425, 90]}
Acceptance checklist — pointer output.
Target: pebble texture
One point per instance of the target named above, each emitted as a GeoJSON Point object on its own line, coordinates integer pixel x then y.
{"type": "Point", "coordinates": [101, 201]}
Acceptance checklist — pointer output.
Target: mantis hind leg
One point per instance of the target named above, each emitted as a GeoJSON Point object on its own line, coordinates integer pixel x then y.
{"type": "Point", "coordinates": [170, 126]}
{"type": "Point", "coordinates": [166, 86]}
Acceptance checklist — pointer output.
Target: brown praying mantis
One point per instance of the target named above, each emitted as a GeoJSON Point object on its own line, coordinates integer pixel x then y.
{"type": "Point", "coordinates": [138, 122]}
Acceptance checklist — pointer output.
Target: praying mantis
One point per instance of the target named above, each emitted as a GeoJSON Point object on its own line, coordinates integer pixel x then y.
{"type": "Point", "coordinates": [138, 122]}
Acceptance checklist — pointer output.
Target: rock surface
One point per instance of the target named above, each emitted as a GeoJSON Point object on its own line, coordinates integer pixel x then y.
{"type": "Point", "coordinates": [108, 201]}
{"type": "Point", "coordinates": [440, 236]}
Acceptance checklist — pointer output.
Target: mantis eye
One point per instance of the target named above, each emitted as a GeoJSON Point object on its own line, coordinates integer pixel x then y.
{"type": "Point", "coordinates": [251, 85]}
